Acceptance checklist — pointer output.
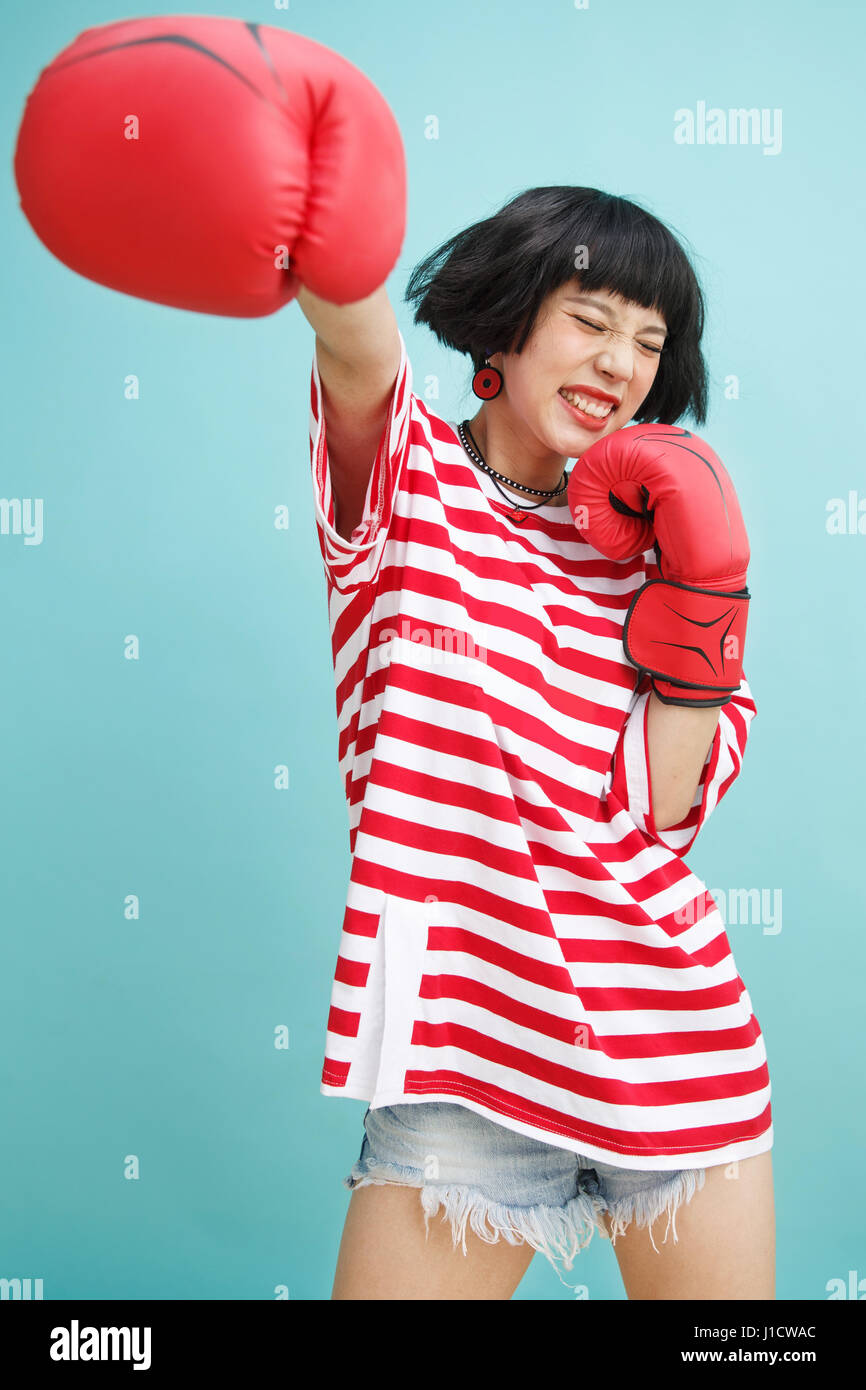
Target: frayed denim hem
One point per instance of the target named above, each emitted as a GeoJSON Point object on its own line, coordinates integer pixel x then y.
{"type": "Point", "coordinates": [644, 1209]}
{"type": "Point", "coordinates": [555, 1232]}
{"type": "Point", "coordinates": [558, 1233]}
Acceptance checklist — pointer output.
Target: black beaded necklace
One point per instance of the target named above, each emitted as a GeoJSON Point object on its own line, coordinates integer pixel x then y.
{"type": "Point", "coordinates": [519, 512]}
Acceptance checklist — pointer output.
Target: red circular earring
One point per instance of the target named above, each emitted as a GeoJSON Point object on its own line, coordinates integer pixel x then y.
{"type": "Point", "coordinates": [487, 381]}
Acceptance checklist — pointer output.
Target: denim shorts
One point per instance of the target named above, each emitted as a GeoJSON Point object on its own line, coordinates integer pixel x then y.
{"type": "Point", "coordinates": [504, 1183]}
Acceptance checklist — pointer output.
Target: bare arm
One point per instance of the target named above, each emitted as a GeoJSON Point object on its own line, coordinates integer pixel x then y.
{"type": "Point", "coordinates": [358, 356]}
{"type": "Point", "coordinates": [679, 740]}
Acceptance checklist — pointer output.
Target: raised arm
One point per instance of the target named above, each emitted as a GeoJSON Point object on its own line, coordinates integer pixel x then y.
{"type": "Point", "coordinates": [358, 356]}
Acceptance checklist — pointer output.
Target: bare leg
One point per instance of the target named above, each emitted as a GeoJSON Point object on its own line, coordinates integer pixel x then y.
{"type": "Point", "coordinates": [385, 1253]}
{"type": "Point", "coordinates": [726, 1241]}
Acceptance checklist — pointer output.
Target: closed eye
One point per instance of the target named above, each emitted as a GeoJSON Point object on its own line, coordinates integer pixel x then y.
{"type": "Point", "coordinates": [600, 328]}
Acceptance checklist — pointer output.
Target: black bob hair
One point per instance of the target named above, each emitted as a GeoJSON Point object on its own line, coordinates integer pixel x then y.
{"type": "Point", "coordinates": [483, 288]}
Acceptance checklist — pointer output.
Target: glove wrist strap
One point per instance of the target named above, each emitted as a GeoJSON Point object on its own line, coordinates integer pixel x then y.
{"type": "Point", "coordinates": [689, 639]}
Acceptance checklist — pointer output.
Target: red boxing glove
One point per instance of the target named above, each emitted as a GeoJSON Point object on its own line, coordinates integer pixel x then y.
{"type": "Point", "coordinates": [662, 485]}
{"type": "Point", "coordinates": [213, 165]}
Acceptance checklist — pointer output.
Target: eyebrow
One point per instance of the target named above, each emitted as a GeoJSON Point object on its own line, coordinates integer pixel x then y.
{"type": "Point", "coordinates": [605, 309]}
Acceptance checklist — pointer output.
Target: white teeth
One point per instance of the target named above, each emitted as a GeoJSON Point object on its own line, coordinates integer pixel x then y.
{"type": "Point", "coordinates": [599, 409]}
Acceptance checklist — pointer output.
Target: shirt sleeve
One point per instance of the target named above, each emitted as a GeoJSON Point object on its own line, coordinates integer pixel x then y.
{"type": "Point", "coordinates": [350, 564]}
{"type": "Point", "coordinates": [631, 784]}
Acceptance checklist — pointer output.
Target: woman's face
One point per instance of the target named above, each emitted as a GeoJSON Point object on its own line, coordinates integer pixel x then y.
{"type": "Point", "coordinates": [582, 339]}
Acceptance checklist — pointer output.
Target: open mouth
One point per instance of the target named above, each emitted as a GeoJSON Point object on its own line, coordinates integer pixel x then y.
{"type": "Point", "coordinates": [587, 409]}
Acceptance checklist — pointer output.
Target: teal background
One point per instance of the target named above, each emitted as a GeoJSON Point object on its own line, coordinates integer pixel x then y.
{"type": "Point", "coordinates": [155, 777]}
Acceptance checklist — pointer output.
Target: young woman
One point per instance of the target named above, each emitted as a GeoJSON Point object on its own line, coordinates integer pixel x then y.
{"type": "Point", "coordinates": [533, 992]}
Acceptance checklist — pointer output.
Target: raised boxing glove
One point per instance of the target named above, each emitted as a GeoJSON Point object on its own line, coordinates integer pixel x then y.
{"type": "Point", "coordinates": [661, 485]}
{"type": "Point", "coordinates": [213, 164]}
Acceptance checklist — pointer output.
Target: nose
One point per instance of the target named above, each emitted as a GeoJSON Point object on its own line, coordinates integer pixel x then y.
{"type": "Point", "coordinates": [616, 358]}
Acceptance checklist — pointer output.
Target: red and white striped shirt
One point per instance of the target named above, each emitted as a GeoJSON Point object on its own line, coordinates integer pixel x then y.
{"type": "Point", "coordinates": [518, 936]}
